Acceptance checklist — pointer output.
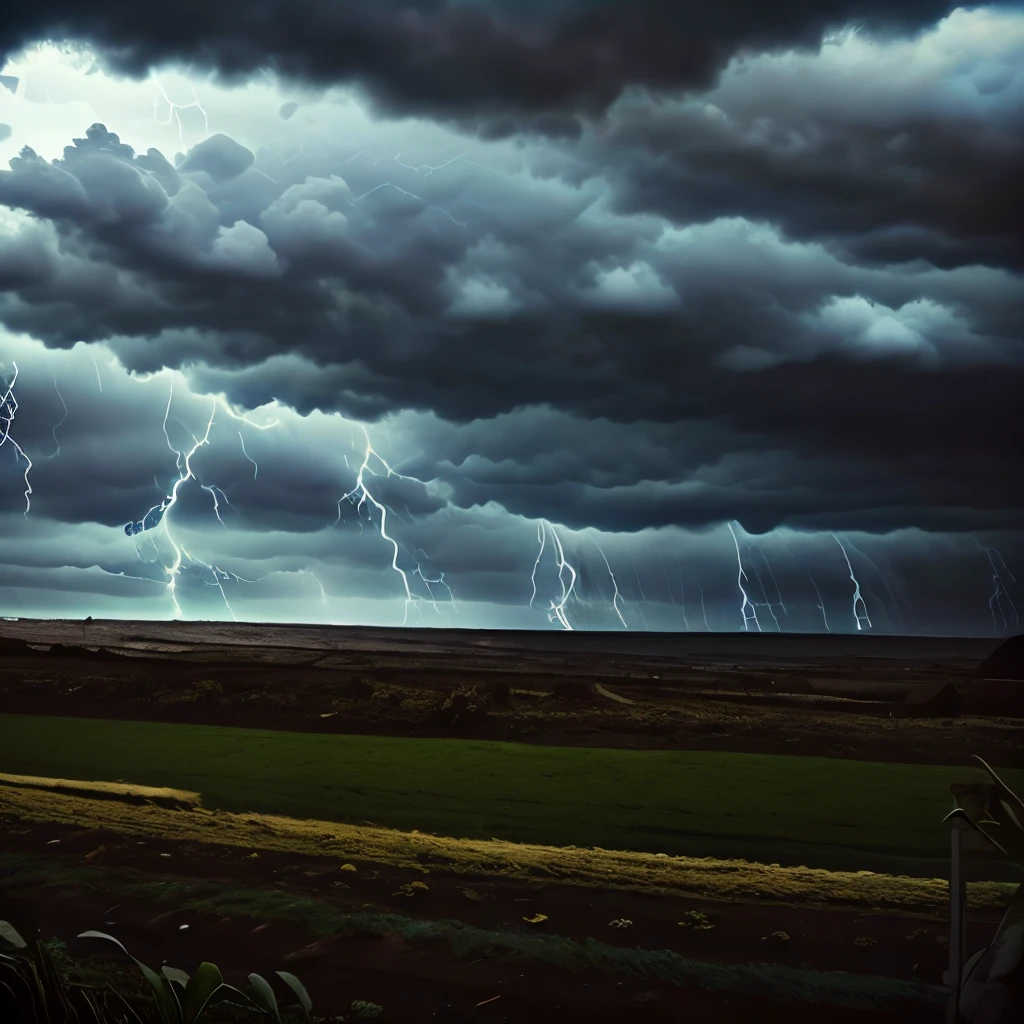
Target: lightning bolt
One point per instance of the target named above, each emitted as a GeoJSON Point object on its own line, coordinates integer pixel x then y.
{"type": "Point", "coordinates": [419, 167]}
{"type": "Point", "coordinates": [557, 610]}
{"type": "Point", "coordinates": [703, 610]}
{"type": "Point", "coordinates": [858, 617]}
{"type": "Point", "coordinates": [616, 595]}
{"type": "Point", "coordinates": [8, 410]}
{"type": "Point", "coordinates": [360, 495]}
{"type": "Point", "coordinates": [413, 195]}
{"type": "Point", "coordinates": [183, 464]}
{"type": "Point", "coordinates": [60, 422]}
{"type": "Point", "coordinates": [174, 110]}
{"type": "Point", "coordinates": [885, 582]}
{"type": "Point", "coordinates": [323, 593]}
{"type": "Point", "coordinates": [438, 581]}
{"type": "Point", "coordinates": [542, 538]}
{"type": "Point", "coordinates": [821, 603]}
{"type": "Point", "coordinates": [96, 367]}
{"type": "Point", "coordinates": [682, 590]}
{"type": "Point", "coordinates": [643, 596]}
{"type": "Point", "coordinates": [741, 576]}
{"type": "Point", "coordinates": [255, 468]}
{"type": "Point", "coordinates": [1000, 593]}
{"type": "Point", "coordinates": [764, 593]}
{"type": "Point", "coordinates": [775, 583]}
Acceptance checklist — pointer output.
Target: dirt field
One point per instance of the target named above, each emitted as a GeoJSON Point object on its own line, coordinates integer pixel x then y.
{"type": "Point", "coordinates": [690, 693]}
{"type": "Point", "coordinates": [256, 901]}
{"type": "Point", "coordinates": [379, 964]}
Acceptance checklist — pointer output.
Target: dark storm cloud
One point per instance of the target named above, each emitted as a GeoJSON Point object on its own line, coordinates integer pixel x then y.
{"type": "Point", "coordinates": [510, 63]}
{"type": "Point", "coordinates": [826, 391]}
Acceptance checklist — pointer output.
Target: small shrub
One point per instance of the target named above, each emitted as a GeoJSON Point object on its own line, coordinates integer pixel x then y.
{"type": "Point", "coordinates": [464, 705]}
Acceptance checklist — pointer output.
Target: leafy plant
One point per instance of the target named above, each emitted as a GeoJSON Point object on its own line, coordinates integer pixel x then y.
{"type": "Point", "coordinates": [181, 999]}
{"type": "Point", "coordinates": [992, 982]}
{"type": "Point", "coordinates": [34, 988]}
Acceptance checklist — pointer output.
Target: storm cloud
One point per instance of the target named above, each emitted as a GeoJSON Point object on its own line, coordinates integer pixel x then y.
{"type": "Point", "coordinates": [753, 278]}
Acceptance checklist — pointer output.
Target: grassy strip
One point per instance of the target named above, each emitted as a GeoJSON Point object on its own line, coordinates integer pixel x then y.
{"type": "Point", "coordinates": [703, 878]}
{"type": "Point", "coordinates": [162, 797]}
{"type": "Point", "coordinates": [823, 812]}
{"type": "Point", "coordinates": [772, 981]}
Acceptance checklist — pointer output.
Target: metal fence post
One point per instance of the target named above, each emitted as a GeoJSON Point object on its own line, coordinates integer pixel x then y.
{"type": "Point", "coordinates": [957, 921]}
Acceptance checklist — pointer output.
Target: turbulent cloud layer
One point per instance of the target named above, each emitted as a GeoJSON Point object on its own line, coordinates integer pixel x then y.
{"type": "Point", "coordinates": [754, 295]}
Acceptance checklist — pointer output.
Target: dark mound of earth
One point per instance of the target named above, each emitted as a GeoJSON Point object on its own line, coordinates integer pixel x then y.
{"type": "Point", "coordinates": [1005, 662]}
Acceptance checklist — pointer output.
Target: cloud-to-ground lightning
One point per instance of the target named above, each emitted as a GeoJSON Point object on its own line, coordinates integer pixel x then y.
{"type": "Point", "coordinates": [542, 538]}
{"type": "Point", "coordinates": [183, 463]}
{"type": "Point", "coordinates": [703, 608]}
{"type": "Point", "coordinates": [896, 613]}
{"type": "Point", "coordinates": [643, 596]}
{"type": "Point", "coordinates": [741, 576]}
{"type": "Point", "coordinates": [682, 591]}
{"type": "Point", "coordinates": [8, 410]}
{"type": "Point", "coordinates": [775, 583]}
{"type": "Point", "coordinates": [858, 616]}
{"type": "Point", "coordinates": [557, 610]}
{"type": "Point", "coordinates": [764, 593]}
{"type": "Point", "coordinates": [821, 603]}
{"type": "Point", "coordinates": [360, 495]}
{"type": "Point", "coordinates": [616, 595]}
{"type": "Point", "coordinates": [1000, 592]}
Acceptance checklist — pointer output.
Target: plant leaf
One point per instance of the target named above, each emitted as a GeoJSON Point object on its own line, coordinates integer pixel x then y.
{"type": "Point", "coordinates": [265, 995]}
{"type": "Point", "coordinates": [201, 986]}
{"type": "Point", "coordinates": [166, 1000]}
{"type": "Point", "coordinates": [10, 933]}
{"type": "Point", "coordinates": [299, 989]}
{"type": "Point", "coordinates": [1004, 790]}
{"type": "Point", "coordinates": [173, 974]}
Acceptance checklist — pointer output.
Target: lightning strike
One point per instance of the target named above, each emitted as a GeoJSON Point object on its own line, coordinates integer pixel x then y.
{"type": "Point", "coordinates": [364, 496]}
{"type": "Point", "coordinates": [8, 410]}
{"type": "Point", "coordinates": [174, 110]}
{"type": "Point", "coordinates": [542, 537]}
{"type": "Point", "coordinates": [56, 426]}
{"type": "Point", "coordinates": [616, 595]}
{"type": "Point", "coordinates": [741, 576]}
{"type": "Point", "coordinates": [821, 603]}
{"type": "Point", "coordinates": [858, 617]}
{"type": "Point", "coordinates": [1000, 593]}
{"type": "Point", "coordinates": [255, 468]}
{"type": "Point", "coordinates": [557, 610]}
{"type": "Point", "coordinates": [183, 463]}
{"type": "Point", "coordinates": [703, 609]}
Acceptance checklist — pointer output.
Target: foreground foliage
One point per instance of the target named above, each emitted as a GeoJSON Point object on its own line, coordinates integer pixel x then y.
{"type": "Point", "coordinates": [37, 990]}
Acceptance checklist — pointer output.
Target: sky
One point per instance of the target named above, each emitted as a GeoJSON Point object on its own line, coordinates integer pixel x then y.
{"type": "Point", "coordinates": [573, 314]}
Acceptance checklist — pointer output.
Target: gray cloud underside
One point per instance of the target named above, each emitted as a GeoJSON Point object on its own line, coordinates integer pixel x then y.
{"type": "Point", "coordinates": [502, 64]}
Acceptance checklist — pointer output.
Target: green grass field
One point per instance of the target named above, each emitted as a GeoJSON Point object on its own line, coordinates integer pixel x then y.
{"type": "Point", "coordinates": [819, 812]}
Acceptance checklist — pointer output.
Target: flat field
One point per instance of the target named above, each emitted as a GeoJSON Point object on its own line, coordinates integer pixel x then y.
{"type": "Point", "coordinates": [819, 812]}
{"type": "Point", "coordinates": [502, 772]}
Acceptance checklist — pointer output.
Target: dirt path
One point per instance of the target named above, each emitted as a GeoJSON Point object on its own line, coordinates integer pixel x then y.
{"type": "Point", "coordinates": [384, 968]}
{"type": "Point", "coordinates": [890, 944]}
